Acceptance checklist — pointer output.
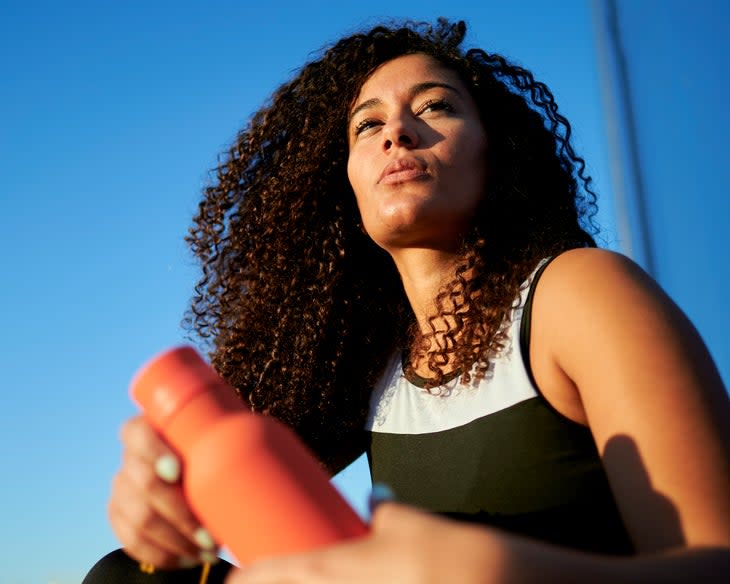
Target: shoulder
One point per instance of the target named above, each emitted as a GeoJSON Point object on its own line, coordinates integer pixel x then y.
{"type": "Point", "coordinates": [602, 327]}
{"type": "Point", "coordinates": [648, 389]}
{"type": "Point", "coordinates": [584, 287]}
{"type": "Point", "coordinates": [593, 304]}
{"type": "Point", "coordinates": [588, 268]}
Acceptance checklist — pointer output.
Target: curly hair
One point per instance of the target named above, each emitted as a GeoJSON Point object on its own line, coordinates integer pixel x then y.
{"type": "Point", "coordinates": [300, 309]}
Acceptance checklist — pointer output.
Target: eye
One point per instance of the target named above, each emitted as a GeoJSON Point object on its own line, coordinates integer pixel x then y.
{"type": "Point", "coordinates": [364, 125]}
{"type": "Point", "coordinates": [433, 105]}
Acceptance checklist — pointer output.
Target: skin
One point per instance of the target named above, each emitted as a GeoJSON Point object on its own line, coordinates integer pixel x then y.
{"type": "Point", "coordinates": [608, 349]}
{"type": "Point", "coordinates": [148, 514]}
{"type": "Point", "coordinates": [415, 111]}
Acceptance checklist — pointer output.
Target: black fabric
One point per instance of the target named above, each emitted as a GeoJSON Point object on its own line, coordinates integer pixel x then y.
{"type": "Point", "coordinates": [582, 526]}
{"type": "Point", "coordinates": [526, 321]}
{"type": "Point", "coordinates": [118, 568]}
{"type": "Point", "coordinates": [524, 469]}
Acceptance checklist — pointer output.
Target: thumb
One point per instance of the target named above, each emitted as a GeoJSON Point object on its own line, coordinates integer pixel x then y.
{"type": "Point", "coordinates": [391, 516]}
{"type": "Point", "coordinates": [388, 515]}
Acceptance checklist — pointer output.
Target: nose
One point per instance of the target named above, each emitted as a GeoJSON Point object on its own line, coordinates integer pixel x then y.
{"type": "Point", "coordinates": [399, 132]}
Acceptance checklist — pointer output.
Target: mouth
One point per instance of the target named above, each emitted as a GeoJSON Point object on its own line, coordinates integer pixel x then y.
{"type": "Point", "coordinates": [402, 170]}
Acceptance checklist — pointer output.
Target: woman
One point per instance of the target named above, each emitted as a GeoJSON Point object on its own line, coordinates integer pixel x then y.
{"type": "Point", "coordinates": [371, 253]}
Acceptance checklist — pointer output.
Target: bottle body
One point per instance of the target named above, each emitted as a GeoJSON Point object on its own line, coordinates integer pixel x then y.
{"type": "Point", "coordinates": [251, 481]}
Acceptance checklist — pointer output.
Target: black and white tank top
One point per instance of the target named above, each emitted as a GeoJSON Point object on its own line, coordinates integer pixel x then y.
{"type": "Point", "coordinates": [494, 451]}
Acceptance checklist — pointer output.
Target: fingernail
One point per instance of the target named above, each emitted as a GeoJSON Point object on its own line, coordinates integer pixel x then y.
{"type": "Point", "coordinates": [380, 493]}
{"type": "Point", "coordinates": [203, 539]}
{"type": "Point", "coordinates": [186, 563]}
{"type": "Point", "coordinates": [167, 468]}
{"type": "Point", "coordinates": [208, 558]}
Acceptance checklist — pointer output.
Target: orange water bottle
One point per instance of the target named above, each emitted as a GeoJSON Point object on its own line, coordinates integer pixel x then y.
{"type": "Point", "coordinates": [249, 479]}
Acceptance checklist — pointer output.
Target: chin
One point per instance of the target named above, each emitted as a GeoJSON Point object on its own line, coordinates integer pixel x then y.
{"type": "Point", "coordinates": [431, 235]}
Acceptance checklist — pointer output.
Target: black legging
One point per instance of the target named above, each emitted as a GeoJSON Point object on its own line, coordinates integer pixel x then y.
{"type": "Point", "coordinates": [118, 568]}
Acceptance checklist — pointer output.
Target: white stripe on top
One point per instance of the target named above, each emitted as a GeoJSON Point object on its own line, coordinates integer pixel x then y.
{"type": "Point", "coordinates": [397, 406]}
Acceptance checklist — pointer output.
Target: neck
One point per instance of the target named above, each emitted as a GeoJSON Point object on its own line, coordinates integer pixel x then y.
{"type": "Point", "coordinates": [424, 272]}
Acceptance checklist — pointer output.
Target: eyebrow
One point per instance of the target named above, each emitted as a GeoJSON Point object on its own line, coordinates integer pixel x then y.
{"type": "Point", "coordinates": [414, 91]}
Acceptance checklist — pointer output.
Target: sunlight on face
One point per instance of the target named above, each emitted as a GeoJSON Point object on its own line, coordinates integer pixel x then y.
{"type": "Point", "coordinates": [417, 154]}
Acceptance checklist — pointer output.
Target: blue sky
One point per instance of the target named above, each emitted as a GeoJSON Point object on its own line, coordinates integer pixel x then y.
{"type": "Point", "coordinates": [112, 115]}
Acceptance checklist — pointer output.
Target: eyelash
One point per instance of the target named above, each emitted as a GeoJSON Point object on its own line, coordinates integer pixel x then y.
{"type": "Point", "coordinates": [436, 104]}
{"type": "Point", "coordinates": [441, 103]}
{"type": "Point", "coordinates": [364, 125]}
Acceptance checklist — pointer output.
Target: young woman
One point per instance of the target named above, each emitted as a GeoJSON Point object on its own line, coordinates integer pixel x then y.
{"type": "Point", "coordinates": [397, 257]}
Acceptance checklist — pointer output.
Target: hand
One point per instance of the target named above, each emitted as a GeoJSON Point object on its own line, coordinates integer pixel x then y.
{"type": "Point", "coordinates": [405, 546]}
{"type": "Point", "coordinates": [147, 509]}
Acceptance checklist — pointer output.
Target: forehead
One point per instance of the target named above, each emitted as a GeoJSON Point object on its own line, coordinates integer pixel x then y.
{"type": "Point", "coordinates": [401, 73]}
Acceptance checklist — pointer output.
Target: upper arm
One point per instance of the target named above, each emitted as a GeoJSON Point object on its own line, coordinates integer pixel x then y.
{"type": "Point", "coordinates": [649, 391]}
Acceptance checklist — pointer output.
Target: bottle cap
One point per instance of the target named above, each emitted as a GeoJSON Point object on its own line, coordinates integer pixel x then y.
{"type": "Point", "coordinates": [169, 380]}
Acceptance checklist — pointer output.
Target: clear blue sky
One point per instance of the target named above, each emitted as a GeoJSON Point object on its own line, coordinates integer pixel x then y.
{"type": "Point", "coordinates": [112, 114]}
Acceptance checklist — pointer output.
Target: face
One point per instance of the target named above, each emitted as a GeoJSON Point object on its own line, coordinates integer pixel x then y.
{"type": "Point", "coordinates": [417, 151]}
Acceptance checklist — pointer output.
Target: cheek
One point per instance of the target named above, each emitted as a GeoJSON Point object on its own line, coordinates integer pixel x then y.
{"type": "Point", "coordinates": [351, 172]}
{"type": "Point", "coordinates": [354, 177]}
{"type": "Point", "coordinates": [474, 156]}
{"type": "Point", "coordinates": [469, 172]}
{"type": "Point", "coordinates": [476, 144]}
{"type": "Point", "coordinates": [464, 145]}
{"type": "Point", "coordinates": [356, 185]}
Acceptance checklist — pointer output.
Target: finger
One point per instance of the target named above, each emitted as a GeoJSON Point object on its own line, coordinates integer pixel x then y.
{"type": "Point", "coordinates": [350, 561]}
{"type": "Point", "coordinates": [143, 549]}
{"type": "Point", "coordinates": [392, 516]}
{"type": "Point", "coordinates": [140, 517]}
{"type": "Point", "coordinates": [147, 459]}
{"type": "Point", "coordinates": [154, 547]}
{"type": "Point", "coordinates": [139, 438]}
{"type": "Point", "coordinates": [284, 570]}
{"type": "Point", "coordinates": [163, 499]}
{"type": "Point", "coordinates": [149, 551]}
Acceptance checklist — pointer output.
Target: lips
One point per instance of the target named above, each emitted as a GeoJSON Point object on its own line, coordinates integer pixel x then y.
{"type": "Point", "coordinates": [402, 170]}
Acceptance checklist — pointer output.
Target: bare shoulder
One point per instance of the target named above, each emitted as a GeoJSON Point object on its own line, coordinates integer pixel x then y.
{"type": "Point", "coordinates": [579, 270]}
{"type": "Point", "coordinates": [647, 388]}
{"type": "Point", "coordinates": [597, 308]}
{"type": "Point", "coordinates": [605, 295]}
{"type": "Point", "coordinates": [585, 302]}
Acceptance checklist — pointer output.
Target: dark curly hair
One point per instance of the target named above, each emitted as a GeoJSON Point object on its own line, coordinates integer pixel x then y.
{"type": "Point", "coordinates": [300, 309]}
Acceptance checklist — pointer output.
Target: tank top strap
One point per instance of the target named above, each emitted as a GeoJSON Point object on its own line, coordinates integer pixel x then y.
{"type": "Point", "coordinates": [526, 323]}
